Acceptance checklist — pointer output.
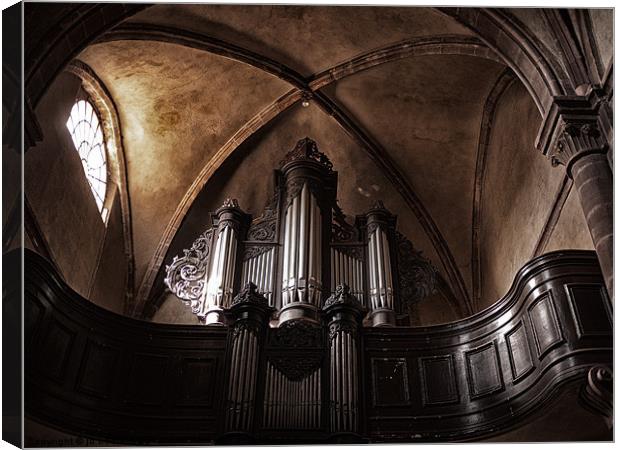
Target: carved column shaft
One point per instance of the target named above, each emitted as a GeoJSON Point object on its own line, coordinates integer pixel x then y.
{"type": "Point", "coordinates": [571, 136]}
{"type": "Point", "coordinates": [380, 281]}
{"type": "Point", "coordinates": [594, 183]}
{"type": "Point", "coordinates": [344, 314]}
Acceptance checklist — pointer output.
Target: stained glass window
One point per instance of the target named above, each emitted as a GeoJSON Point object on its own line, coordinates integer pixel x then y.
{"type": "Point", "coordinates": [85, 129]}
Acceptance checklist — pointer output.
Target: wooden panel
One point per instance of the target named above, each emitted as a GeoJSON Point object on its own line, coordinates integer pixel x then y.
{"type": "Point", "coordinates": [390, 383]}
{"type": "Point", "coordinates": [55, 351]}
{"type": "Point", "coordinates": [588, 306]}
{"type": "Point", "coordinates": [484, 374]}
{"type": "Point", "coordinates": [519, 353]}
{"type": "Point", "coordinates": [146, 379]}
{"type": "Point", "coordinates": [98, 369]}
{"type": "Point", "coordinates": [438, 380]}
{"type": "Point", "coordinates": [198, 380]}
{"type": "Point", "coordinates": [547, 331]}
{"type": "Point", "coordinates": [33, 316]}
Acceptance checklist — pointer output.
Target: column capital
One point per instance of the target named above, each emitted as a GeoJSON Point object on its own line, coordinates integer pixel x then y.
{"type": "Point", "coordinates": [572, 128]}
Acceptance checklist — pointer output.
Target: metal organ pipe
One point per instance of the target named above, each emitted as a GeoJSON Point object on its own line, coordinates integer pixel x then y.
{"type": "Point", "coordinates": [301, 268]}
{"type": "Point", "coordinates": [346, 269]}
{"type": "Point", "coordinates": [219, 284]}
{"type": "Point", "coordinates": [291, 404]}
{"type": "Point", "coordinates": [258, 270]}
{"type": "Point", "coordinates": [381, 284]}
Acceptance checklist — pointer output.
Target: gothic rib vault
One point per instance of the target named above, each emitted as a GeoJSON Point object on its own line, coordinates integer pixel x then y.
{"type": "Point", "coordinates": [450, 116]}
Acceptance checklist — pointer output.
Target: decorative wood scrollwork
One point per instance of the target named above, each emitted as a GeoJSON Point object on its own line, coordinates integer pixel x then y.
{"type": "Point", "coordinates": [342, 296]}
{"type": "Point", "coordinates": [342, 231]}
{"type": "Point", "coordinates": [417, 278]}
{"type": "Point", "coordinates": [263, 231]}
{"type": "Point", "coordinates": [306, 149]}
{"type": "Point", "coordinates": [249, 294]}
{"type": "Point", "coordinates": [296, 333]}
{"type": "Point", "coordinates": [293, 188]}
{"type": "Point", "coordinates": [344, 327]}
{"type": "Point", "coordinates": [297, 367]}
{"type": "Point", "coordinates": [254, 250]}
{"type": "Point", "coordinates": [185, 277]}
{"type": "Point", "coordinates": [247, 325]}
{"type": "Point", "coordinates": [356, 252]}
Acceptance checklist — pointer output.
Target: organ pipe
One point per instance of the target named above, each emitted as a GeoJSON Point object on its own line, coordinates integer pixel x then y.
{"type": "Point", "coordinates": [250, 311]}
{"type": "Point", "coordinates": [301, 277]}
{"type": "Point", "coordinates": [347, 269]}
{"type": "Point", "coordinates": [259, 270]}
{"type": "Point", "coordinates": [220, 281]}
{"type": "Point", "coordinates": [380, 280]}
{"type": "Point", "coordinates": [344, 314]}
{"type": "Point", "coordinates": [291, 404]}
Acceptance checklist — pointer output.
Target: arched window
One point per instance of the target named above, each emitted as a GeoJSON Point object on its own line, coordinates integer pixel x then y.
{"type": "Point", "coordinates": [87, 135]}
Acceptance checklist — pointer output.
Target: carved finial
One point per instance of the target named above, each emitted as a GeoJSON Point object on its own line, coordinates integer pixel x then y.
{"type": "Point", "coordinates": [230, 203]}
{"type": "Point", "coordinates": [249, 294]}
{"type": "Point", "coordinates": [306, 149]}
{"type": "Point", "coordinates": [378, 204]}
{"type": "Point", "coordinates": [343, 296]}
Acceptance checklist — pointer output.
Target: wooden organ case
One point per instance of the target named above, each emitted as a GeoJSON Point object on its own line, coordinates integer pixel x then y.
{"type": "Point", "coordinates": [305, 279]}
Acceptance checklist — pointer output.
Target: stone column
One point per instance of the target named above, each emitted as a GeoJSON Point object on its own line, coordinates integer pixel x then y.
{"type": "Point", "coordinates": [307, 214]}
{"type": "Point", "coordinates": [221, 277]}
{"type": "Point", "coordinates": [380, 276]}
{"type": "Point", "coordinates": [571, 136]}
{"type": "Point", "coordinates": [250, 316]}
{"type": "Point", "coordinates": [343, 314]}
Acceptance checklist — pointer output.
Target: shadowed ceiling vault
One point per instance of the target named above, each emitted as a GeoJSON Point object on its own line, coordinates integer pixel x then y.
{"type": "Point", "coordinates": [505, 79]}
{"type": "Point", "coordinates": [433, 45]}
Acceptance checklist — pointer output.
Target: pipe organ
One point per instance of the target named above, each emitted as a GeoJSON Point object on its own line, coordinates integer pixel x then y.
{"type": "Point", "coordinates": [306, 271]}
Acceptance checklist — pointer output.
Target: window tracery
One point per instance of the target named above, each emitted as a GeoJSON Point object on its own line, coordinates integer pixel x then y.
{"type": "Point", "coordinates": [85, 128]}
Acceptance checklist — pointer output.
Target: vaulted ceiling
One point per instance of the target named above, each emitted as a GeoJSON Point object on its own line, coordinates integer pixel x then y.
{"type": "Point", "coordinates": [209, 101]}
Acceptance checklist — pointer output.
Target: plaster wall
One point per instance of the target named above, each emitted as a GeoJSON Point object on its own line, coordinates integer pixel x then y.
{"type": "Point", "coordinates": [517, 194]}
{"type": "Point", "coordinates": [63, 204]}
{"type": "Point", "coordinates": [109, 284]}
{"type": "Point", "coordinates": [603, 28]}
{"type": "Point", "coordinates": [571, 230]}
